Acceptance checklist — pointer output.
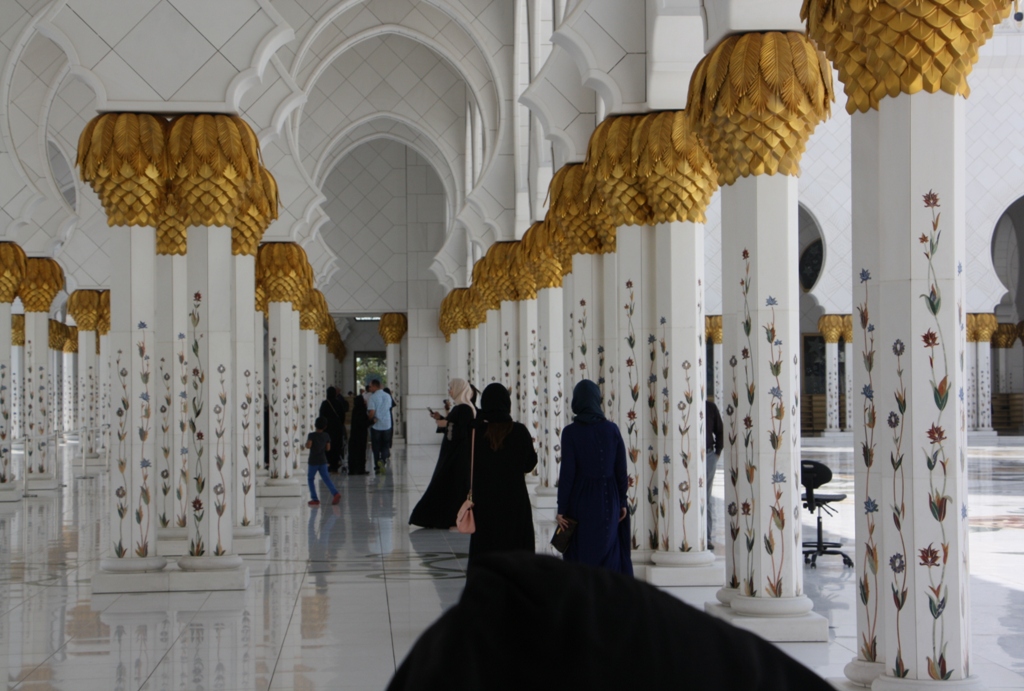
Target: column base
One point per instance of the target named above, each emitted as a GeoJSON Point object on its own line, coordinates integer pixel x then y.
{"type": "Point", "coordinates": [863, 673]}
{"type": "Point", "coordinates": [10, 492]}
{"type": "Point", "coordinates": [210, 564]}
{"type": "Point", "coordinates": [279, 488]}
{"type": "Point", "coordinates": [41, 484]}
{"type": "Point", "coordinates": [982, 437]}
{"type": "Point", "coordinates": [685, 569]}
{"type": "Point", "coordinates": [171, 579]}
{"type": "Point", "coordinates": [18, 446]}
{"type": "Point", "coordinates": [532, 479]}
{"type": "Point", "coordinates": [544, 497]}
{"type": "Point", "coordinates": [250, 540]}
{"type": "Point", "coordinates": [893, 684]}
{"type": "Point", "coordinates": [172, 542]}
{"type": "Point", "coordinates": [72, 438]}
{"type": "Point", "coordinates": [801, 628]}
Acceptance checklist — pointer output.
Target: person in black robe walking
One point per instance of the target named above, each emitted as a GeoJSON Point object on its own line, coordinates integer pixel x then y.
{"type": "Point", "coordinates": [592, 483]}
{"type": "Point", "coordinates": [440, 503]}
{"type": "Point", "coordinates": [358, 430]}
{"type": "Point", "coordinates": [333, 414]}
{"type": "Point", "coordinates": [504, 454]}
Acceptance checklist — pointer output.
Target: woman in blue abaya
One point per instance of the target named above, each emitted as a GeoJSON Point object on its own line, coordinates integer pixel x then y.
{"type": "Point", "coordinates": [592, 485]}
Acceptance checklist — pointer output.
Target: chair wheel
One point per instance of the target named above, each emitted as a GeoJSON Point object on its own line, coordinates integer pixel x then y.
{"type": "Point", "coordinates": [847, 561]}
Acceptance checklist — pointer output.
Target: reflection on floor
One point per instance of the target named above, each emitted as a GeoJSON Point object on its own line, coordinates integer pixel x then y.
{"type": "Point", "coordinates": [347, 589]}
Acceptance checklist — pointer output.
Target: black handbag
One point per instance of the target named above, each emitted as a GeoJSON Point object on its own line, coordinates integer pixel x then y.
{"type": "Point", "coordinates": [563, 536]}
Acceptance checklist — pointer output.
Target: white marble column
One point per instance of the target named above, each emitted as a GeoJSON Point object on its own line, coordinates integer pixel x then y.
{"type": "Point", "coordinates": [173, 302]}
{"type": "Point", "coordinates": [259, 392]}
{"type": "Point", "coordinates": [909, 165]}
{"type": "Point", "coordinates": [761, 337]}
{"type": "Point", "coordinates": [529, 366]}
{"type": "Point", "coordinates": [40, 451]}
{"type": "Point", "coordinates": [831, 386]}
{"type": "Point", "coordinates": [681, 556]}
{"type": "Point", "coordinates": [848, 356]}
{"type": "Point", "coordinates": [715, 336]}
{"type": "Point", "coordinates": [10, 487]}
{"type": "Point", "coordinates": [88, 400]}
{"type": "Point", "coordinates": [462, 357]}
{"type": "Point", "coordinates": [282, 481]}
{"type": "Point", "coordinates": [308, 401]}
{"type": "Point", "coordinates": [508, 353]}
{"type": "Point", "coordinates": [212, 403]}
{"type": "Point", "coordinates": [586, 317]}
{"type": "Point", "coordinates": [491, 349]}
{"type": "Point", "coordinates": [985, 326]}
{"type": "Point", "coordinates": [635, 252]}
{"type": "Point", "coordinates": [69, 382]}
{"type": "Point", "coordinates": [551, 335]}
{"type": "Point", "coordinates": [133, 484]}
{"type": "Point", "coordinates": [18, 378]}
{"type": "Point", "coordinates": [608, 346]}
{"type": "Point", "coordinates": [105, 372]}
{"type": "Point", "coordinates": [971, 383]}
{"type": "Point", "coordinates": [394, 377]}
{"type": "Point", "coordinates": [246, 526]}
{"type": "Point", "coordinates": [473, 357]}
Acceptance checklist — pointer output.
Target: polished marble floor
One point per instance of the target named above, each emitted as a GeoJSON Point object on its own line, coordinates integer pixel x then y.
{"type": "Point", "coordinates": [346, 590]}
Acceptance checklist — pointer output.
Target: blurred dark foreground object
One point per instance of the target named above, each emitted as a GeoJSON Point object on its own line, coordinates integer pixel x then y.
{"type": "Point", "coordinates": [530, 621]}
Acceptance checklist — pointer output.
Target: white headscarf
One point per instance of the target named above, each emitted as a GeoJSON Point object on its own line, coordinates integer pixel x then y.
{"type": "Point", "coordinates": [462, 393]}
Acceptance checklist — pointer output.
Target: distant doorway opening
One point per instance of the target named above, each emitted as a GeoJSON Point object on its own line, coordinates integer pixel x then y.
{"type": "Point", "coordinates": [370, 365]}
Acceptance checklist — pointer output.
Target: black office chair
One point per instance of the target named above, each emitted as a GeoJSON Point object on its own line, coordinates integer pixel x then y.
{"type": "Point", "coordinates": [812, 476]}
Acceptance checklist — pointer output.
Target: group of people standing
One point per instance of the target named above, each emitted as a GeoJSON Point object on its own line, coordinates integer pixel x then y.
{"type": "Point", "coordinates": [484, 451]}
{"type": "Point", "coordinates": [370, 419]}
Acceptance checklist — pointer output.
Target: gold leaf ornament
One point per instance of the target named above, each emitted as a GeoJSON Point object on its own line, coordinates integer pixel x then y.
{"type": "Point", "coordinates": [71, 344]}
{"type": "Point", "coordinates": [42, 281]}
{"type": "Point", "coordinates": [610, 184]}
{"type": "Point", "coordinates": [888, 47]}
{"type": "Point", "coordinates": [18, 330]}
{"type": "Point", "coordinates": [12, 270]}
{"type": "Point", "coordinates": [540, 257]}
{"type": "Point", "coordinates": [569, 211]}
{"type": "Point", "coordinates": [84, 308]}
{"type": "Point", "coordinates": [392, 327]}
{"type": "Point", "coordinates": [755, 100]}
{"type": "Point", "coordinates": [521, 272]}
{"type": "Point", "coordinates": [283, 271]}
{"type": "Point", "coordinates": [103, 323]}
{"type": "Point", "coordinates": [123, 157]}
{"type": "Point", "coordinates": [674, 169]}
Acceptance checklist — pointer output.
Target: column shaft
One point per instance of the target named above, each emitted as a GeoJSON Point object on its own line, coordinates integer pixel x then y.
{"type": "Point", "coordinates": [211, 399]}
{"type": "Point", "coordinates": [551, 331]}
{"type": "Point", "coordinates": [39, 451]}
{"type": "Point", "coordinates": [984, 379]}
{"type": "Point", "coordinates": [831, 386]}
{"type": "Point", "coordinates": [529, 365]}
{"type": "Point", "coordinates": [174, 436]}
{"type": "Point", "coordinates": [88, 400]}
{"type": "Point", "coordinates": [245, 395]}
{"type": "Point", "coordinates": [761, 330]}
{"type": "Point", "coordinates": [133, 511]}
{"type": "Point", "coordinates": [9, 490]}
{"type": "Point", "coordinates": [279, 361]}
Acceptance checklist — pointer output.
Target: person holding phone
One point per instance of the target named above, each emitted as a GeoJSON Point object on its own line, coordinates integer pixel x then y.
{"type": "Point", "coordinates": [450, 482]}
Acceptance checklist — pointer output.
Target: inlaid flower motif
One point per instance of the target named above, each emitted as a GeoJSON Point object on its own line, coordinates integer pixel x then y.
{"type": "Point", "coordinates": [221, 369]}
{"type": "Point", "coordinates": [120, 492]}
{"type": "Point", "coordinates": [199, 436]}
{"type": "Point", "coordinates": [930, 339]}
{"type": "Point", "coordinates": [745, 354]}
{"type": "Point", "coordinates": [142, 325]}
{"type": "Point", "coordinates": [897, 563]}
{"type": "Point", "coordinates": [778, 478]}
{"type": "Point", "coordinates": [931, 200]}
{"type": "Point", "coordinates": [245, 473]}
{"type": "Point", "coordinates": [865, 275]}
{"type": "Point", "coordinates": [898, 348]}
{"type": "Point", "coordinates": [218, 489]}
{"type": "Point", "coordinates": [732, 361]}
{"type": "Point", "coordinates": [732, 509]}
{"type": "Point", "coordinates": [893, 420]}
{"type": "Point", "coordinates": [745, 508]}
{"type": "Point", "coordinates": [870, 505]}
{"type": "Point", "coordinates": [936, 435]}
{"type": "Point", "coordinates": [867, 392]}
{"type": "Point", "coordinates": [145, 463]}
{"type": "Point", "coordinates": [197, 504]}
{"type": "Point", "coordinates": [929, 556]}
{"type": "Point", "coordinates": [198, 297]}
{"type": "Point", "coordinates": [165, 474]}
{"type": "Point", "coordinates": [771, 302]}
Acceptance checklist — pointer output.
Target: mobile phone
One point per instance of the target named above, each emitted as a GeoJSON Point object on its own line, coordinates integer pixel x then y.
{"type": "Point", "coordinates": [430, 410]}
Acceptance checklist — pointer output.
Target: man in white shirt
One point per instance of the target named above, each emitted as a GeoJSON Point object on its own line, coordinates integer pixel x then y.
{"type": "Point", "coordinates": [379, 412]}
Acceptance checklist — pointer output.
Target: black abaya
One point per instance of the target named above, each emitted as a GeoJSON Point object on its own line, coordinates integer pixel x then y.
{"type": "Point", "coordinates": [358, 431]}
{"type": "Point", "coordinates": [504, 517]}
{"type": "Point", "coordinates": [331, 413]}
{"type": "Point", "coordinates": [449, 484]}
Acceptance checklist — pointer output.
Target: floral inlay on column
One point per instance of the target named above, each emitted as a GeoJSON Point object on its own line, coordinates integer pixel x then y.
{"type": "Point", "coordinates": [685, 407]}
{"type": "Point", "coordinates": [143, 512]}
{"type": "Point", "coordinates": [867, 587]}
{"type": "Point", "coordinates": [181, 492]}
{"type": "Point", "coordinates": [732, 413]}
{"type": "Point", "coordinates": [749, 507]}
{"type": "Point", "coordinates": [196, 546]}
{"type": "Point", "coordinates": [775, 438]}
{"type": "Point", "coordinates": [275, 413]}
{"type": "Point", "coordinates": [897, 562]}
{"type": "Point", "coordinates": [247, 471]}
{"type": "Point", "coordinates": [123, 446]}
{"type": "Point", "coordinates": [937, 460]}
{"type": "Point", "coordinates": [632, 428]}
{"type": "Point", "coordinates": [6, 470]}
{"type": "Point", "coordinates": [165, 442]}
{"type": "Point", "coordinates": [220, 411]}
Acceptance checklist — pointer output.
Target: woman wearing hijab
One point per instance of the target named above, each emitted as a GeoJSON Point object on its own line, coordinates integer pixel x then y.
{"type": "Point", "coordinates": [504, 454]}
{"type": "Point", "coordinates": [448, 486]}
{"type": "Point", "coordinates": [358, 429]}
{"type": "Point", "coordinates": [592, 483]}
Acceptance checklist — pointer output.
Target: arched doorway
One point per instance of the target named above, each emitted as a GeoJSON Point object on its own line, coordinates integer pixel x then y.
{"type": "Point", "coordinates": [1007, 353]}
